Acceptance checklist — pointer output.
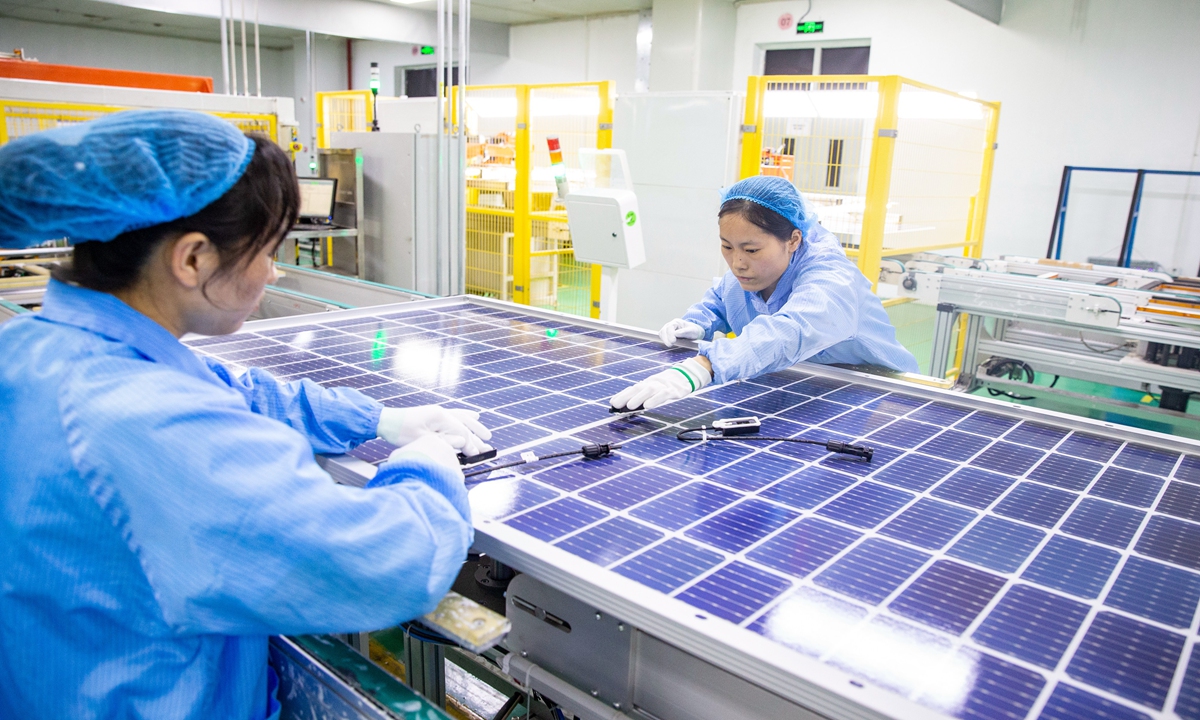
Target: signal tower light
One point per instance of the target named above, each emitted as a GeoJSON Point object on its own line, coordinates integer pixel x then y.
{"type": "Point", "coordinates": [374, 97]}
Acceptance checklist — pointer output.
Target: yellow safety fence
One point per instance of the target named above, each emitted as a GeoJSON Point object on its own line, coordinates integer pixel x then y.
{"type": "Point", "coordinates": [893, 167]}
{"type": "Point", "coordinates": [343, 111]}
{"type": "Point", "coordinates": [20, 117]}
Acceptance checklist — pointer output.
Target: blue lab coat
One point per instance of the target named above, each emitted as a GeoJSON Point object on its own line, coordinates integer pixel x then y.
{"type": "Point", "coordinates": [160, 518]}
{"type": "Point", "coordinates": [822, 311]}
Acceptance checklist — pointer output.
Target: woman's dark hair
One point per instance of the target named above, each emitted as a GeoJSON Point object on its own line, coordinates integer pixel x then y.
{"type": "Point", "coordinates": [260, 207]}
{"type": "Point", "coordinates": [757, 215]}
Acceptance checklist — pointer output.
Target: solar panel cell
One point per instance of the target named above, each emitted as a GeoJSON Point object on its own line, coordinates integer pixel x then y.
{"type": "Point", "coordinates": [855, 394]}
{"type": "Point", "coordinates": [1070, 703]}
{"type": "Point", "coordinates": [915, 472]}
{"type": "Point", "coordinates": [1181, 500]}
{"type": "Point", "coordinates": [1127, 658]}
{"type": "Point", "coordinates": [872, 570]}
{"type": "Point", "coordinates": [610, 541]}
{"type": "Point", "coordinates": [742, 525]}
{"type": "Point", "coordinates": [502, 498]}
{"type": "Point", "coordinates": [1065, 471]}
{"type": "Point", "coordinates": [1127, 486]}
{"type": "Point", "coordinates": [905, 433]}
{"type": "Point", "coordinates": [772, 402]}
{"type": "Point", "coordinates": [814, 412]}
{"type": "Point", "coordinates": [575, 475]}
{"type": "Point", "coordinates": [954, 445]}
{"type": "Point", "coordinates": [756, 471]}
{"type": "Point", "coordinates": [1033, 625]}
{"type": "Point", "coordinates": [1089, 446]}
{"type": "Point", "coordinates": [896, 404]}
{"type": "Point", "coordinates": [939, 414]}
{"type": "Point", "coordinates": [790, 621]}
{"type": "Point", "coordinates": [815, 386]}
{"type": "Point", "coordinates": [1156, 591]}
{"type": "Point", "coordinates": [1172, 540]}
{"type": "Point", "coordinates": [803, 547]}
{"type": "Point", "coordinates": [997, 544]}
{"type": "Point", "coordinates": [928, 524]}
{"type": "Point", "coordinates": [571, 418]}
{"type": "Point", "coordinates": [973, 487]}
{"type": "Point", "coordinates": [1072, 566]}
{"type": "Point", "coordinates": [1038, 436]}
{"type": "Point", "coordinates": [947, 596]}
{"type": "Point", "coordinates": [735, 592]}
{"type": "Point", "coordinates": [669, 565]}
{"type": "Point", "coordinates": [982, 423]}
{"type": "Point", "coordinates": [1008, 458]}
{"type": "Point", "coordinates": [1035, 504]}
{"type": "Point", "coordinates": [866, 505]}
{"type": "Point", "coordinates": [706, 457]}
{"type": "Point", "coordinates": [857, 423]}
{"type": "Point", "coordinates": [808, 488]}
{"type": "Point", "coordinates": [686, 505]}
{"type": "Point", "coordinates": [1000, 690]}
{"type": "Point", "coordinates": [634, 487]}
{"type": "Point", "coordinates": [559, 518]}
{"type": "Point", "coordinates": [1104, 522]}
{"type": "Point", "coordinates": [1146, 459]}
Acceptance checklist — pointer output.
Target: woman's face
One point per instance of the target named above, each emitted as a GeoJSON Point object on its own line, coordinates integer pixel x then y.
{"type": "Point", "coordinates": [755, 257]}
{"type": "Point", "coordinates": [236, 294]}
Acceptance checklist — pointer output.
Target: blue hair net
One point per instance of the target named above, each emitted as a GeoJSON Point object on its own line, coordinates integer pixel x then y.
{"type": "Point", "coordinates": [777, 194]}
{"type": "Point", "coordinates": [129, 170]}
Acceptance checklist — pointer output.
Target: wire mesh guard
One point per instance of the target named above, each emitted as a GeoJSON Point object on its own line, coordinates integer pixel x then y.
{"type": "Point", "coordinates": [344, 111]}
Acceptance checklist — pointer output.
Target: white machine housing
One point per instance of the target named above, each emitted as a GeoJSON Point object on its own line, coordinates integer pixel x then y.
{"type": "Point", "coordinates": [603, 217]}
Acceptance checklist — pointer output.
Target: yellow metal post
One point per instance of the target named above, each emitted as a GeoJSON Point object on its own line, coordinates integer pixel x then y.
{"type": "Point", "coordinates": [753, 118]}
{"type": "Point", "coordinates": [979, 218]}
{"type": "Point", "coordinates": [608, 91]}
{"type": "Point", "coordinates": [879, 179]}
{"type": "Point", "coordinates": [522, 200]}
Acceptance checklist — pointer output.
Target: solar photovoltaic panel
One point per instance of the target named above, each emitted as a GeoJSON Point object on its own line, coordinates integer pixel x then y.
{"type": "Point", "coordinates": [982, 565]}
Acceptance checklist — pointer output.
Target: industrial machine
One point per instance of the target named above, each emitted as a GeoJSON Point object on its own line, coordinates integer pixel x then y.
{"type": "Point", "coordinates": [982, 560]}
{"type": "Point", "coordinates": [1118, 326]}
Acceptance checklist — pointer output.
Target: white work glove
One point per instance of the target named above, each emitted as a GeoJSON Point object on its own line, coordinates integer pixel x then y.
{"type": "Point", "coordinates": [674, 383]}
{"type": "Point", "coordinates": [430, 447]}
{"type": "Point", "coordinates": [460, 428]}
{"type": "Point", "coordinates": [680, 328]}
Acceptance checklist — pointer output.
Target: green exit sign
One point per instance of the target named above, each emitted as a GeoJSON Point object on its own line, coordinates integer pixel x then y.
{"type": "Point", "coordinates": [426, 49]}
{"type": "Point", "coordinates": [808, 28]}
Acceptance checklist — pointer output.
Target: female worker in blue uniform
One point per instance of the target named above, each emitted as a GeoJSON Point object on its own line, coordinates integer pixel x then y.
{"type": "Point", "coordinates": [160, 516]}
{"type": "Point", "coordinates": [790, 295]}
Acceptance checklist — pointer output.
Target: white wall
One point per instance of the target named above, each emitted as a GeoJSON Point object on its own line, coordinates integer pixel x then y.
{"type": "Point", "coordinates": [601, 48]}
{"type": "Point", "coordinates": [1081, 82]}
{"type": "Point", "coordinates": [93, 47]}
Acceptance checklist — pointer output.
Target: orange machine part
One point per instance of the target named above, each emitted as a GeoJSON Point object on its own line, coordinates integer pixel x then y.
{"type": "Point", "coordinates": [24, 70]}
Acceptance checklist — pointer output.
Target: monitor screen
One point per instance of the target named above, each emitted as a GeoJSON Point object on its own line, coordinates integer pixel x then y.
{"type": "Point", "coordinates": [316, 197]}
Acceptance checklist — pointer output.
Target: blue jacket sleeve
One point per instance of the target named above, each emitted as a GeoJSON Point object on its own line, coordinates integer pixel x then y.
{"type": "Point", "coordinates": [333, 419]}
{"type": "Point", "coordinates": [709, 313]}
{"type": "Point", "coordinates": [236, 527]}
{"type": "Point", "coordinates": [821, 312]}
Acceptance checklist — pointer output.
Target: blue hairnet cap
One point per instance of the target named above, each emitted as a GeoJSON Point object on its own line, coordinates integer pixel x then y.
{"type": "Point", "coordinates": [777, 194]}
{"type": "Point", "coordinates": [126, 171]}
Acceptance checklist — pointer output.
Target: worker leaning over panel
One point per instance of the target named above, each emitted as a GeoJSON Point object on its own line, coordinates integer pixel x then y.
{"type": "Point", "coordinates": [160, 516]}
{"type": "Point", "coordinates": [790, 294]}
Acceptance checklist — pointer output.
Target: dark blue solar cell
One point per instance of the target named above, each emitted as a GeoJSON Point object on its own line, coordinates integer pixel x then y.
{"type": "Point", "coordinates": [515, 434]}
{"type": "Point", "coordinates": [541, 404]}
{"type": "Point", "coordinates": [507, 367]}
{"type": "Point", "coordinates": [929, 524]}
{"type": "Point", "coordinates": [559, 518]}
{"type": "Point", "coordinates": [1182, 501]}
{"type": "Point", "coordinates": [871, 571]}
{"type": "Point", "coordinates": [915, 472]}
{"type": "Point", "coordinates": [905, 433]}
{"type": "Point", "coordinates": [860, 466]}
{"type": "Point", "coordinates": [570, 418]}
{"type": "Point", "coordinates": [621, 429]}
{"type": "Point", "coordinates": [1001, 690]}
{"type": "Point", "coordinates": [1035, 504]}
{"type": "Point", "coordinates": [507, 396]}
{"type": "Point", "coordinates": [270, 360]}
{"type": "Point", "coordinates": [1172, 540]}
{"type": "Point", "coordinates": [492, 355]}
{"type": "Point", "coordinates": [987, 424]}
{"type": "Point", "coordinates": [568, 354]}
{"type": "Point", "coordinates": [654, 445]}
{"type": "Point", "coordinates": [734, 392]}
{"type": "Point", "coordinates": [855, 394]}
{"type": "Point", "coordinates": [373, 451]}
{"type": "Point", "coordinates": [476, 387]}
{"type": "Point", "coordinates": [808, 488]}
{"type": "Point", "coordinates": [866, 505]}
{"type": "Point", "coordinates": [814, 412]}
{"type": "Point", "coordinates": [940, 414]}
{"type": "Point", "coordinates": [742, 525]}
{"type": "Point", "coordinates": [777, 427]}
{"type": "Point", "coordinates": [896, 404]}
{"type": "Point", "coordinates": [1156, 591]}
{"type": "Point", "coordinates": [702, 458]}
{"type": "Point", "coordinates": [1039, 436]}
{"type": "Point", "coordinates": [858, 422]}
{"type": "Point", "coordinates": [947, 596]}
{"type": "Point", "coordinates": [779, 379]}
{"type": "Point", "coordinates": [570, 381]}
{"type": "Point", "coordinates": [1189, 469]}
{"type": "Point", "coordinates": [787, 622]}
{"type": "Point", "coordinates": [1089, 446]}
{"type": "Point", "coordinates": [1187, 705]}
{"type": "Point", "coordinates": [686, 505]}
{"type": "Point", "coordinates": [803, 547]}
{"type": "Point", "coordinates": [592, 361]}
{"type": "Point", "coordinates": [1065, 471]}
{"type": "Point", "coordinates": [954, 445]}
{"type": "Point", "coordinates": [540, 372]}
{"type": "Point", "coordinates": [817, 386]}
{"type": "Point", "coordinates": [680, 410]}
{"type": "Point", "coordinates": [997, 544]}
{"type": "Point", "coordinates": [1032, 624]}
{"type": "Point", "coordinates": [1072, 566]}
{"type": "Point", "coordinates": [1127, 486]}
{"type": "Point", "coordinates": [1104, 522]}
{"type": "Point", "coordinates": [773, 402]}
{"type": "Point", "coordinates": [1127, 658]}
{"type": "Point", "coordinates": [735, 592]}
{"type": "Point", "coordinates": [973, 487]}
{"type": "Point", "coordinates": [1008, 458]}
{"type": "Point", "coordinates": [304, 368]}
{"type": "Point", "coordinates": [343, 377]}
{"type": "Point", "coordinates": [414, 399]}
{"type": "Point", "coordinates": [669, 565]}
{"type": "Point", "coordinates": [634, 487]}
{"type": "Point", "coordinates": [627, 366]}
{"type": "Point", "coordinates": [1146, 459]}
{"type": "Point", "coordinates": [1070, 703]}
{"type": "Point", "coordinates": [581, 473]}
{"type": "Point", "coordinates": [608, 542]}
{"type": "Point", "coordinates": [755, 471]}
{"type": "Point", "coordinates": [808, 451]}
{"type": "Point", "coordinates": [601, 391]}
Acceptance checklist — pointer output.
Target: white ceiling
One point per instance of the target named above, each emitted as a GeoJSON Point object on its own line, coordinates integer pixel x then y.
{"type": "Point", "coordinates": [516, 12]}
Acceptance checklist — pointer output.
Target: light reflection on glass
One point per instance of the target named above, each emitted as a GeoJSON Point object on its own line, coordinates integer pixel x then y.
{"type": "Point", "coordinates": [810, 622]}
{"type": "Point", "coordinates": [303, 339]}
{"type": "Point", "coordinates": [497, 498]}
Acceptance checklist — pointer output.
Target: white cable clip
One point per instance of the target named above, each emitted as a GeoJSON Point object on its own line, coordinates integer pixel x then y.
{"type": "Point", "coordinates": [529, 456]}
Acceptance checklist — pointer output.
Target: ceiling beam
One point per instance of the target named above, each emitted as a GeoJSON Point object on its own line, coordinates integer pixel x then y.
{"type": "Point", "coordinates": [986, 9]}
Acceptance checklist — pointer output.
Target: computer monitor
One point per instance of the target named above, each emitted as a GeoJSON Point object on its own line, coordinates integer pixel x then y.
{"type": "Point", "coordinates": [316, 198]}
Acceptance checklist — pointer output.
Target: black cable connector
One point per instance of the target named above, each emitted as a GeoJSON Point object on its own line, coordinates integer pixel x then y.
{"type": "Point", "coordinates": [478, 458]}
{"type": "Point", "coordinates": [745, 430]}
{"type": "Point", "coordinates": [862, 451]}
{"type": "Point", "coordinates": [591, 451]}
